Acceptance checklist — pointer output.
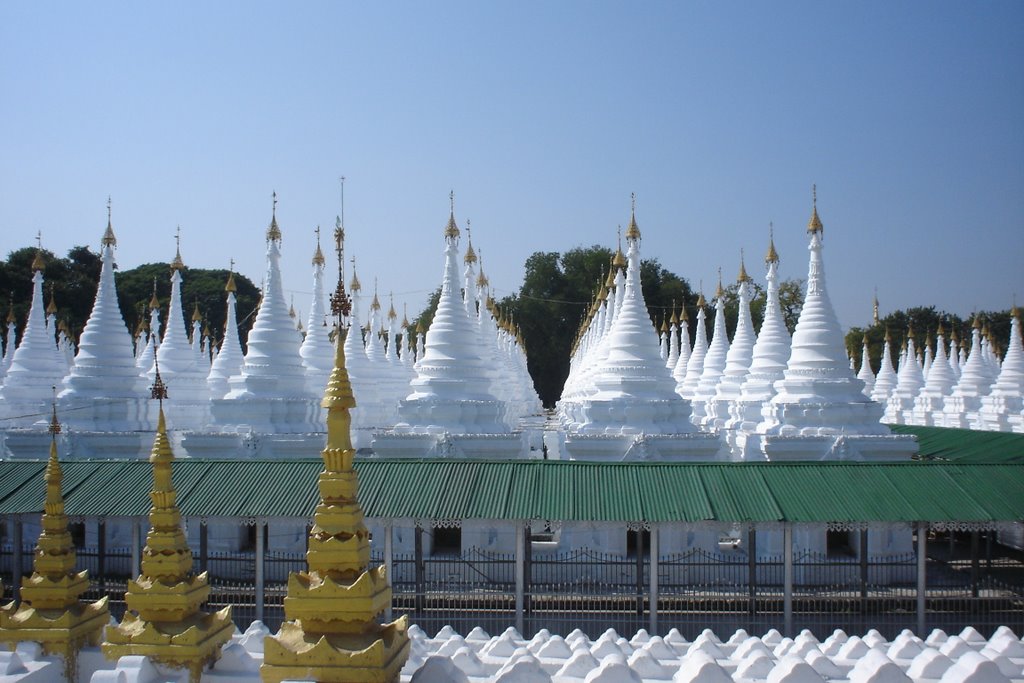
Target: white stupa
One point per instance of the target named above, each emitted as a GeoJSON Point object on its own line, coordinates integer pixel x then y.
{"type": "Point", "coordinates": [737, 360]}
{"type": "Point", "coordinates": [229, 359]}
{"type": "Point", "coordinates": [367, 415]}
{"type": "Point", "coordinates": [1003, 408]}
{"type": "Point", "coordinates": [767, 365]}
{"type": "Point", "coordinates": [187, 405]}
{"type": "Point", "coordinates": [954, 353]}
{"type": "Point", "coordinates": [36, 367]}
{"type": "Point", "coordinates": [819, 410]}
{"type": "Point", "coordinates": [714, 362]}
{"type": "Point", "coordinates": [450, 409]}
{"type": "Point", "coordinates": [271, 394]}
{"type": "Point", "coordinates": [886, 379]}
{"type": "Point", "coordinates": [104, 392]}
{"type": "Point", "coordinates": [679, 370]}
{"type": "Point", "coordinates": [695, 361]}
{"type": "Point", "coordinates": [11, 343]}
{"type": "Point", "coordinates": [865, 374]}
{"type": "Point", "coordinates": [939, 383]}
{"type": "Point", "coordinates": [317, 351]}
{"type": "Point", "coordinates": [635, 412]}
{"type": "Point", "coordinates": [909, 382]}
{"type": "Point", "coordinates": [962, 406]}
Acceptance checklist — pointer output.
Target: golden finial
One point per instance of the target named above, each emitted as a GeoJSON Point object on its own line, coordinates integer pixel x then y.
{"type": "Point", "coordinates": [743, 277]}
{"type": "Point", "coordinates": [375, 304]}
{"type": "Point", "coordinates": [772, 256]}
{"type": "Point", "coordinates": [910, 331]}
{"type": "Point", "coordinates": [291, 307]}
{"type": "Point", "coordinates": [675, 317]}
{"type": "Point", "coordinates": [196, 315]}
{"type": "Point", "coordinates": [701, 301]}
{"type": "Point", "coordinates": [814, 225]}
{"type": "Point", "coordinates": [274, 232]}
{"type": "Point", "coordinates": [941, 331]}
{"type": "Point", "coordinates": [318, 256]}
{"type": "Point", "coordinates": [683, 315]}
{"type": "Point", "coordinates": [38, 263]}
{"type": "Point", "coordinates": [719, 292]}
{"type": "Point", "coordinates": [632, 232]}
{"type": "Point", "coordinates": [231, 286]}
{"type": "Point", "coordinates": [470, 257]}
{"type": "Point", "coordinates": [108, 239]}
{"type": "Point", "coordinates": [54, 428]}
{"type": "Point", "coordinates": [355, 286]}
{"type": "Point", "coordinates": [341, 303]}
{"type": "Point", "coordinates": [451, 231]}
{"type": "Point", "coordinates": [10, 313]}
{"type": "Point", "coordinates": [177, 263]}
{"type": "Point", "coordinates": [664, 325]}
{"type": "Point", "coordinates": [888, 335]}
{"type": "Point", "coordinates": [153, 301]}
{"type": "Point", "coordinates": [481, 279]}
{"type": "Point", "coordinates": [51, 308]}
{"type": "Point", "coordinates": [864, 339]}
{"type": "Point", "coordinates": [619, 260]}
{"type": "Point", "coordinates": [392, 315]}
{"type": "Point", "coordinates": [405, 316]}
{"type": "Point", "coordinates": [158, 390]}
{"type": "Point", "coordinates": [977, 322]}
{"type": "Point", "coordinates": [1014, 311]}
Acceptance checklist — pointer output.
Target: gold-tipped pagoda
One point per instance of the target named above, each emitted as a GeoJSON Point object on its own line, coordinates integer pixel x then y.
{"type": "Point", "coordinates": [50, 612]}
{"type": "Point", "coordinates": [331, 633]}
{"type": "Point", "coordinates": [163, 621]}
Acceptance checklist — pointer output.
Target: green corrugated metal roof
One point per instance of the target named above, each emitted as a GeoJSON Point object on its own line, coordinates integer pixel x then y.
{"type": "Point", "coordinates": [965, 445]}
{"type": "Point", "coordinates": [556, 491]}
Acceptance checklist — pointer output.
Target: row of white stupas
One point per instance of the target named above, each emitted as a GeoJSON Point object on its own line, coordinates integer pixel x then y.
{"type": "Point", "coordinates": [470, 378]}
{"type": "Point", "coordinates": [954, 387]}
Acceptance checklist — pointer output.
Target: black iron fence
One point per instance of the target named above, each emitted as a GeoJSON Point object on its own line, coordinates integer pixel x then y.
{"type": "Point", "coordinates": [594, 591]}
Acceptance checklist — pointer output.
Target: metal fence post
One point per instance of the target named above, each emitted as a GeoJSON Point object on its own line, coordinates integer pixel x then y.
{"type": "Point", "coordinates": [101, 558]}
{"type": "Point", "coordinates": [204, 548]}
{"type": "Point", "coordinates": [420, 598]}
{"type": "Point", "coordinates": [136, 550]}
{"type": "Point", "coordinates": [752, 569]}
{"type": "Point", "coordinates": [787, 579]}
{"type": "Point", "coordinates": [922, 564]}
{"type": "Point", "coordinates": [16, 559]}
{"type": "Point", "coordinates": [260, 548]}
{"type": "Point", "coordinates": [864, 570]}
{"type": "Point", "coordinates": [520, 575]}
{"type": "Point", "coordinates": [975, 562]}
{"type": "Point", "coordinates": [389, 546]}
{"type": "Point", "coordinates": [653, 600]}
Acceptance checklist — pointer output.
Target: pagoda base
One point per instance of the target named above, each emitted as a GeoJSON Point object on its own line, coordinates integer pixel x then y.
{"type": "Point", "coordinates": [690, 447]}
{"type": "Point", "coordinates": [190, 644]}
{"type": "Point", "coordinates": [839, 447]}
{"type": "Point", "coordinates": [393, 444]}
{"type": "Point", "coordinates": [60, 631]}
{"type": "Point", "coordinates": [242, 412]}
{"type": "Point", "coordinates": [375, 655]}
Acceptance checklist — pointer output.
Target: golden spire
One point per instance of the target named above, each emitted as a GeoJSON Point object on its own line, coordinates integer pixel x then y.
{"type": "Point", "coordinates": [633, 232]}
{"type": "Point", "coordinates": [814, 225]}
{"type": "Point", "coordinates": [38, 263]}
{"type": "Point", "coordinates": [941, 331]}
{"type": "Point", "coordinates": [701, 301]}
{"type": "Point", "coordinates": [609, 281]}
{"type": "Point", "coordinates": [664, 325]}
{"type": "Point", "coordinates": [392, 315]}
{"type": "Point", "coordinates": [888, 335]}
{"type": "Point", "coordinates": [177, 263]}
{"type": "Point", "coordinates": [274, 232]}
{"type": "Point", "coordinates": [772, 256]}
{"type": "Point", "coordinates": [231, 286]}
{"type": "Point", "coordinates": [154, 303]}
{"type": "Point", "coordinates": [743, 278]}
{"type": "Point", "coordinates": [108, 239]}
{"type": "Point", "coordinates": [355, 286]}
{"type": "Point", "coordinates": [291, 307]}
{"type": "Point", "coordinates": [719, 292]}
{"type": "Point", "coordinates": [864, 340]}
{"type": "Point", "coordinates": [451, 231]}
{"type": "Point", "coordinates": [470, 257]}
{"type": "Point", "coordinates": [405, 316]}
{"type": "Point", "coordinates": [977, 322]}
{"type": "Point", "coordinates": [51, 308]}
{"type": "Point", "coordinates": [683, 315]}
{"type": "Point", "coordinates": [1014, 311]}
{"type": "Point", "coordinates": [619, 259]}
{"type": "Point", "coordinates": [481, 279]}
{"type": "Point", "coordinates": [375, 304]}
{"type": "Point", "coordinates": [318, 255]}
{"type": "Point", "coordinates": [675, 317]}
{"type": "Point", "coordinates": [419, 327]}
{"type": "Point", "coordinates": [196, 315]}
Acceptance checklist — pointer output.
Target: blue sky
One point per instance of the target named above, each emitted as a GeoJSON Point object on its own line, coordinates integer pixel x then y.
{"type": "Point", "coordinates": [543, 118]}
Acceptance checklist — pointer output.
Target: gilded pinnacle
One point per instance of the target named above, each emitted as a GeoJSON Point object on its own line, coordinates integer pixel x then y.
{"type": "Point", "coordinates": [470, 257]}
{"type": "Point", "coordinates": [273, 231]}
{"type": "Point", "coordinates": [743, 277]}
{"type": "Point", "coordinates": [701, 301]}
{"type": "Point", "coordinates": [772, 256]}
{"type": "Point", "coordinates": [814, 225]}
{"type": "Point", "coordinates": [38, 263]}
{"type": "Point", "coordinates": [633, 231]}
{"type": "Point", "coordinates": [231, 286]}
{"type": "Point", "coordinates": [318, 255]}
{"type": "Point", "coordinates": [196, 315]}
{"type": "Point", "coordinates": [51, 308]}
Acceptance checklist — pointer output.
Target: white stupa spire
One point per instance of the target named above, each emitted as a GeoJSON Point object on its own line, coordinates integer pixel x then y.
{"type": "Point", "coordinates": [737, 359]}
{"type": "Point", "coordinates": [365, 385]}
{"type": "Point", "coordinates": [865, 374]}
{"type": "Point", "coordinates": [673, 340]}
{"type": "Point", "coordinates": [910, 376]}
{"type": "Point", "coordinates": [145, 357]}
{"type": "Point", "coordinates": [317, 350]}
{"type": "Point", "coordinates": [679, 370]}
{"type": "Point", "coordinates": [228, 362]}
{"type": "Point", "coordinates": [886, 379]}
{"type": "Point", "coordinates": [819, 394]}
{"type": "Point", "coordinates": [105, 376]}
{"type": "Point", "coordinates": [36, 366]}
{"type": "Point", "coordinates": [974, 379]}
{"type": "Point", "coordinates": [1011, 375]}
{"type": "Point", "coordinates": [11, 344]}
{"type": "Point", "coordinates": [940, 379]}
{"type": "Point", "coordinates": [695, 363]}
{"type": "Point", "coordinates": [175, 353]}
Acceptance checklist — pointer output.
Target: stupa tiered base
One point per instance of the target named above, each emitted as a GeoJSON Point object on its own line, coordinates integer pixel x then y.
{"type": "Point", "coordinates": [278, 415]}
{"type": "Point", "coordinates": [692, 446]}
{"type": "Point", "coordinates": [395, 444]}
{"type": "Point", "coordinates": [191, 643]}
{"type": "Point", "coordinates": [60, 631]}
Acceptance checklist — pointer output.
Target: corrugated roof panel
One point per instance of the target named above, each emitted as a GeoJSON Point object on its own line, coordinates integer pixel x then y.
{"type": "Point", "coordinates": [22, 483]}
{"type": "Point", "coordinates": [1004, 486]}
{"type": "Point", "coordinates": [965, 445]}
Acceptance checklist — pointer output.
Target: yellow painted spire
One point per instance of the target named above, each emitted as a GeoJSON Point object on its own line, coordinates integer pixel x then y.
{"type": "Point", "coordinates": [331, 631]}
{"type": "Point", "coordinates": [743, 278]}
{"type": "Point", "coordinates": [814, 225]}
{"type": "Point", "coordinates": [633, 232]}
{"type": "Point", "coordinates": [163, 621]}
{"type": "Point", "coordinates": [51, 308]}
{"type": "Point", "coordinates": [177, 263]}
{"type": "Point", "coordinates": [318, 255]}
{"type": "Point", "coordinates": [772, 256]}
{"type": "Point", "coordinates": [451, 230]}
{"type": "Point", "coordinates": [273, 231]}
{"type": "Point", "coordinates": [108, 239]}
{"type": "Point", "coordinates": [864, 339]}
{"type": "Point", "coordinates": [470, 257]}
{"type": "Point", "coordinates": [50, 612]}
{"type": "Point", "coordinates": [619, 259]}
